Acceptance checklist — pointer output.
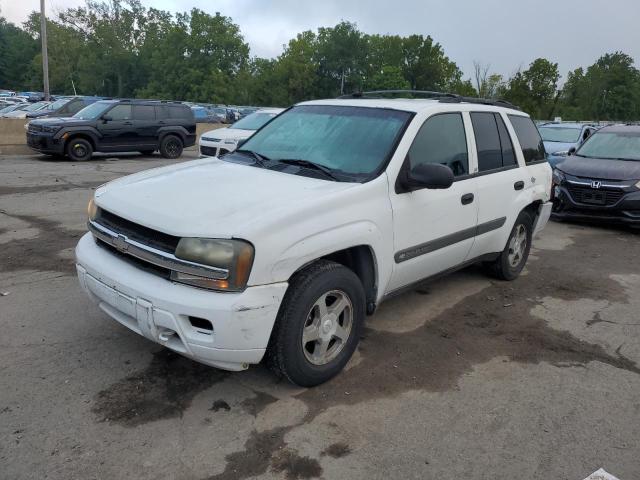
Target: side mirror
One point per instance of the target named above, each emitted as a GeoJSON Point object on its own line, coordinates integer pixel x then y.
{"type": "Point", "coordinates": [572, 151]}
{"type": "Point", "coordinates": [428, 175]}
{"type": "Point", "coordinates": [106, 118]}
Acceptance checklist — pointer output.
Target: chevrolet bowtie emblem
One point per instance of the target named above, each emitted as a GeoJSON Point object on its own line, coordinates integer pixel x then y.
{"type": "Point", "coordinates": [120, 242]}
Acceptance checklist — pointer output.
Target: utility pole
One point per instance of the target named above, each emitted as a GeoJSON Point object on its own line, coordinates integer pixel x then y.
{"type": "Point", "coordinates": [45, 54]}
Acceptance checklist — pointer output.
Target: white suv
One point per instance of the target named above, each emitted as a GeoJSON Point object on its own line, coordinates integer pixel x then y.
{"type": "Point", "coordinates": [225, 140]}
{"type": "Point", "coordinates": [285, 245]}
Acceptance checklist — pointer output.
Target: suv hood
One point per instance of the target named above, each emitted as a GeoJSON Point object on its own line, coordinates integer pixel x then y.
{"type": "Point", "coordinates": [65, 121]}
{"type": "Point", "coordinates": [212, 198]}
{"type": "Point", "coordinates": [553, 147]}
{"type": "Point", "coordinates": [601, 168]}
{"type": "Point", "coordinates": [230, 134]}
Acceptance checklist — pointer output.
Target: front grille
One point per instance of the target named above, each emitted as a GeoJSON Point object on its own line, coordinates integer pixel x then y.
{"type": "Point", "coordinates": [211, 139]}
{"type": "Point", "coordinates": [147, 236]}
{"type": "Point", "coordinates": [592, 196]}
{"type": "Point", "coordinates": [208, 151]}
{"type": "Point", "coordinates": [141, 264]}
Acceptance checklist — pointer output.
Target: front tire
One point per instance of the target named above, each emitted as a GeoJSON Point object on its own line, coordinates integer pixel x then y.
{"type": "Point", "coordinates": [319, 324]}
{"type": "Point", "coordinates": [515, 254]}
{"type": "Point", "coordinates": [171, 147]}
{"type": "Point", "coordinates": [79, 149]}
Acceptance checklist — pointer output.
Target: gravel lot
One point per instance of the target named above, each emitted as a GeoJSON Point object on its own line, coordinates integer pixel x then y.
{"type": "Point", "coordinates": [463, 378]}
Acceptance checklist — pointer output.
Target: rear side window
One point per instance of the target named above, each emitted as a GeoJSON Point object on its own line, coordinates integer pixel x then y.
{"type": "Point", "coordinates": [488, 145]}
{"type": "Point", "coordinates": [75, 107]}
{"type": "Point", "coordinates": [183, 113]}
{"type": "Point", "coordinates": [144, 112]}
{"type": "Point", "coordinates": [508, 154]}
{"type": "Point", "coordinates": [441, 139]}
{"type": "Point", "coordinates": [529, 138]}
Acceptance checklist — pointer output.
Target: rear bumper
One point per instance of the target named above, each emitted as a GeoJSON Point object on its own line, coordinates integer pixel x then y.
{"type": "Point", "coordinates": [162, 311]}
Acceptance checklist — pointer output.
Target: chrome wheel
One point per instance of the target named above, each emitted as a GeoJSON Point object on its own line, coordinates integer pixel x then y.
{"type": "Point", "coordinates": [517, 246]}
{"type": "Point", "coordinates": [327, 328]}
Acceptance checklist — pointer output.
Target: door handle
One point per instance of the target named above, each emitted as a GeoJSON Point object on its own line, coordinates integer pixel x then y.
{"type": "Point", "coordinates": [518, 185]}
{"type": "Point", "coordinates": [467, 198]}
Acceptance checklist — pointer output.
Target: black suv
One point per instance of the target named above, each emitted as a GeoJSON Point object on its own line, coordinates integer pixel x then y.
{"type": "Point", "coordinates": [116, 126]}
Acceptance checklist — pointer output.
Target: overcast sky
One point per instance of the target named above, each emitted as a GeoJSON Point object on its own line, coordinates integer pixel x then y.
{"type": "Point", "coordinates": [504, 33]}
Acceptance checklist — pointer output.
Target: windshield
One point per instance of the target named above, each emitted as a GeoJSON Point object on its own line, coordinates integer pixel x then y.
{"type": "Point", "coordinates": [353, 141]}
{"type": "Point", "coordinates": [36, 106]}
{"type": "Point", "coordinates": [560, 134]}
{"type": "Point", "coordinates": [612, 146]}
{"type": "Point", "coordinates": [93, 111]}
{"type": "Point", "coordinates": [253, 121]}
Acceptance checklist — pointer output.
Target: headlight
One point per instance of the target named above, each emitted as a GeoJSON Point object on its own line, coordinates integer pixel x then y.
{"type": "Point", "coordinates": [233, 257]}
{"type": "Point", "coordinates": [558, 177]}
{"type": "Point", "coordinates": [92, 209]}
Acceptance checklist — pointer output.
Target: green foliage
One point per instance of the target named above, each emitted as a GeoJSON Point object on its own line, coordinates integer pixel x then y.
{"type": "Point", "coordinates": [122, 48]}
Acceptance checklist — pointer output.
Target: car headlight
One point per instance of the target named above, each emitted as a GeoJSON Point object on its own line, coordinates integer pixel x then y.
{"type": "Point", "coordinates": [558, 177]}
{"type": "Point", "coordinates": [233, 258]}
{"type": "Point", "coordinates": [92, 210]}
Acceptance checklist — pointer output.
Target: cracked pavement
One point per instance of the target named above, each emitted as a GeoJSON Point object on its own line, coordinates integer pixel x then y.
{"type": "Point", "coordinates": [466, 377]}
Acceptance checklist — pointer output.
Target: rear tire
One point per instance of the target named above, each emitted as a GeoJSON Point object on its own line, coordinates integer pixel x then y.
{"type": "Point", "coordinates": [515, 254]}
{"type": "Point", "coordinates": [319, 324]}
{"type": "Point", "coordinates": [79, 149]}
{"type": "Point", "coordinates": [171, 147]}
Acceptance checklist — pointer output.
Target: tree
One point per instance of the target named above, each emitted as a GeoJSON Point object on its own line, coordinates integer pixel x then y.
{"type": "Point", "coordinates": [17, 48]}
{"type": "Point", "coordinates": [534, 89]}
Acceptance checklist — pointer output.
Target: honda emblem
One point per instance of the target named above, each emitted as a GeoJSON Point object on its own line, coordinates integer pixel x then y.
{"type": "Point", "coordinates": [596, 184]}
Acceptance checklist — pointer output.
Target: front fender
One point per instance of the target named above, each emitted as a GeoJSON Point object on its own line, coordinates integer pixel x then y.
{"type": "Point", "coordinates": [322, 243]}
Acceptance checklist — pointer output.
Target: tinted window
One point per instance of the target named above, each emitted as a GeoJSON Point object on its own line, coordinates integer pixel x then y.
{"type": "Point", "coordinates": [508, 154]}
{"type": "Point", "coordinates": [144, 112]}
{"type": "Point", "coordinates": [183, 113]}
{"type": "Point", "coordinates": [75, 107]}
{"type": "Point", "coordinates": [120, 112]}
{"type": "Point", "coordinates": [442, 140]}
{"type": "Point", "coordinates": [488, 145]}
{"type": "Point", "coordinates": [529, 138]}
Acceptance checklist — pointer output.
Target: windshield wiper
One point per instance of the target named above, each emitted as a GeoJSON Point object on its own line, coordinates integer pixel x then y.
{"type": "Point", "coordinates": [260, 159]}
{"type": "Point", "coordinates": [310, 165]}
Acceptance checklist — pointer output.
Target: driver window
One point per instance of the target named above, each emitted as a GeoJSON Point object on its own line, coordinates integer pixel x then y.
{"type": "Point", "coordinates": [441, 139]}
{"type": "Point", "coordinates": [120, 112]}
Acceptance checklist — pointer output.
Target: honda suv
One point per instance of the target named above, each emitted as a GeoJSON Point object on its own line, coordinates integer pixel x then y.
{"type": "Point", "coordinates": [281, 248]}
{"type": "Point", "coordinates": [116, 126]}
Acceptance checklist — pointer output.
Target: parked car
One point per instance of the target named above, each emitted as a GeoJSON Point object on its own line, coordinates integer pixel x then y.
{"type": "Point", "coordinates": [64, 107]}
{"type": "Point", "coordinates": [22, 112]}
{"type": "Point", "coordinates": [560, 137]}
{"type": "Point", "coordinates": [116, 126]}
{"type": "Point", "coordinates": [13, 107]}
{"type": "Point", "coordinates": [600, 181]}
{"type": "Point", "coordinates": [225, 140]}
{"type": "Point", "coordinates": [32, 96]}
{"type": "Point", "coordinates": [284, 245]}
{"type": "Point", "coordinates": [203, 114]}
{"type": "Point", "coordinates": [220, 113]}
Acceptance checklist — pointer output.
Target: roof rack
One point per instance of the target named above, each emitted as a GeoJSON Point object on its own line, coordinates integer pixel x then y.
{"type": "Point", "coordinates": [440, 96]}
{"type": "Point", "coordinates": [382, 93]}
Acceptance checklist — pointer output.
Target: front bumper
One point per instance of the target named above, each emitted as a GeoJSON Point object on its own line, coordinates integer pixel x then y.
{"type": "Point", "coordinates": [163, 311]}
{"type": "Point", "coordinates": [215, 149]}
{"type": "Point", "coordinates": [625, 210]}
{"type": "Point", "coordinates": [45, 143]}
